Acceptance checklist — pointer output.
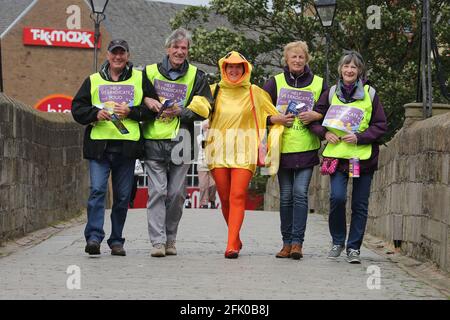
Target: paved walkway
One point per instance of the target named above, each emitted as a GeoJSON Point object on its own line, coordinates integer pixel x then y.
{"type": "Point", "coordinates": [200, 271]}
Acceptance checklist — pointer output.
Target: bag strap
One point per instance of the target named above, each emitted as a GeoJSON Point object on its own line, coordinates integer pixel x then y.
{"type": "Point", "coordinates": [331, 94]}
{"type": "Point", "coordinates": [213, 105]}
{"type": "Point", "coordinates": [371, 93]}
{"type": "Point", "coordinates": [254, 114]}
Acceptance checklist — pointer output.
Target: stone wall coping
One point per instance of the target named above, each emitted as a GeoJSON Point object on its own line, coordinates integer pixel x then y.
{"type": "Point", "coordinates": [49, 116]}
{"type": "Point", "coordinates": [414, 110]}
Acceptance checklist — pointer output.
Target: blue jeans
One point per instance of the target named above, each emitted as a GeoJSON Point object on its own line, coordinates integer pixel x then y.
{"type": "Point", "coordinates": [294, 184]}
{"type": "Point", "coordinates": [360, 206]}
{"type": "Point", "coordinates": [122, 171]}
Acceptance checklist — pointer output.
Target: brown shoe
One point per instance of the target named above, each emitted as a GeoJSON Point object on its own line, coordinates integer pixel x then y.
{"type": "Point", "coordinates": [118, 250]}
{"type": "Point", "coordinates": [296, 251]}
{"type": "Point", "coordinates": [285, 252]}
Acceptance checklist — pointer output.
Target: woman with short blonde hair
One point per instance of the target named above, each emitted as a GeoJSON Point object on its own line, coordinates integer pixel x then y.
{"type": "Point", "coordinates": [296, 45]}
{"type": "Point", "coordinates": [296, 86]}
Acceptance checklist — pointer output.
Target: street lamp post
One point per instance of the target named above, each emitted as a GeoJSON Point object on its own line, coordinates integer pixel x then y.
{"type": "Point", "coordinates": [97, 15]}
{"type": "Point", "coordinates": [325, 10]}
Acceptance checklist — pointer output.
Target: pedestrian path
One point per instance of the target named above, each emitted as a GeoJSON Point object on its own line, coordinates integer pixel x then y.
{"type": "Point", "coordinates": [50, 269]}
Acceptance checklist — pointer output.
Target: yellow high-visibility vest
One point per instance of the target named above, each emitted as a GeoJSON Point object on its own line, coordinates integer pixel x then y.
{"type": "Point", "coordinates": [298, 138]}
{"type": "Point", "coordinates": [179, 90]}
{"type": "Point", "coordinates": [346, 150]}
{"type": "Point", "coordinates": [103, 91]}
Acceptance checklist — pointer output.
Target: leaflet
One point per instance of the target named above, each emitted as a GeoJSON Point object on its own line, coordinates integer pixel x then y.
{"type": "Point", "coordinates": [175, 92]}
{"type": "Point", "coordinates": [296, 108]}
{"type": "Point", "coordinates": [298, 96]}
{"type": "Point", "coordinates": [344, 118]}
{"type": "Point", "coordinates": [109, 106]}
{"type": "Point", "coordinates": [167, 104]}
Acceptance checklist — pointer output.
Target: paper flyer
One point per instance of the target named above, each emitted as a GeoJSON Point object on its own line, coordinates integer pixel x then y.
{"type": "Point", "coordinates": [116, 93]}
{"type": "Point", "coordinates": [111, 94]}
{"type": "Point", "coordinates": [296, 108]}
{"type": "Point", "coordinates": [344, 118]}
{"type": "Point", "coordinates": [303, 98]}
{"type": "Point", "coordinates": [175, 92]}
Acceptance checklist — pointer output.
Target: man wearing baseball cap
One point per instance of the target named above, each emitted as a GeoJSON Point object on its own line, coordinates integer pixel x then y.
{"type": "Point", "coordinates": [118, 43]}
{"type": "Point", "coordinates": [109, 104]}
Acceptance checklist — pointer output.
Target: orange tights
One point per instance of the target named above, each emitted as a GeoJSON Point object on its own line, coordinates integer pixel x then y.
{"type": "Point", "coordinates": [232, 185]}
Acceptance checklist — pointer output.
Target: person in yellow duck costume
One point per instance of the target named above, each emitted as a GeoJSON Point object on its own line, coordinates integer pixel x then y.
{"type": "Point", "coordinates": [232, 142]}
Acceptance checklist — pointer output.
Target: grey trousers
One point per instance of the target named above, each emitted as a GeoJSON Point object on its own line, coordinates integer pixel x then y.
{"type": "Point", "coordinates": [166, 195]}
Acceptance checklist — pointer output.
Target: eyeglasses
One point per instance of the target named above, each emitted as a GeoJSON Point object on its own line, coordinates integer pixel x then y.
{"type": "Point", "coordinates": [230, 53]}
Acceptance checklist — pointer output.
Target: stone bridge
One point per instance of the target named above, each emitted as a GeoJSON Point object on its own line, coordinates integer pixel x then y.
{"type": "Point", "coordinates": [43, 192]}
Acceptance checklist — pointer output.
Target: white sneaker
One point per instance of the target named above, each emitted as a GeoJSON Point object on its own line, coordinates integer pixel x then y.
{"type": "Point", "coordinates": [159, 250]}
{"type": "Point", "coordinates": [171, 250]}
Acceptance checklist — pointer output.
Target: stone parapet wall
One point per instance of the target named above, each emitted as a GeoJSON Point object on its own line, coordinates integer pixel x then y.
{"type": "Point", "coordinates": [410, 194]}
{"type": "Point", "coordinates": [43, 177]}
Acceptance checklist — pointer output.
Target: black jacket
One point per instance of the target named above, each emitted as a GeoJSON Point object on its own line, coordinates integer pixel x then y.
{"type": "Point", "coordinates": [85, 113]}
{"type": "Point", "coordinates": [161, 150]}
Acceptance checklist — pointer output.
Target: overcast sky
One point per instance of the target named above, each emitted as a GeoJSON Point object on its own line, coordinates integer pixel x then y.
{"type": "Point", "coordinates": [191, 2]}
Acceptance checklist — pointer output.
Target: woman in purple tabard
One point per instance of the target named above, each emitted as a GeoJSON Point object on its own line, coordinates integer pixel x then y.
{"type": "Point", "coordinates": [356, 140]}
{"type": "Point", "coordinates": [297, 88]}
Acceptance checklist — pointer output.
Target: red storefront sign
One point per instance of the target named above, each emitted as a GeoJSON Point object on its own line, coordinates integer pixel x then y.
{"type": "Point", "coordinates": [55, 103]}
{"type": "Point", "coordinates": [59, 37]}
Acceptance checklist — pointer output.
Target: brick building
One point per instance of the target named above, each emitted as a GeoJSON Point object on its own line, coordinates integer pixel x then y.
{"type": "Point", "coordinates": [29, 73]}
{"type": "Point", "coordinates": [34, 73]}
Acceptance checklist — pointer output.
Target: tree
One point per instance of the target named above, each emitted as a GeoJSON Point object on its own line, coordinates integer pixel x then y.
{"type": "Point", "coordinates": [259, 30]}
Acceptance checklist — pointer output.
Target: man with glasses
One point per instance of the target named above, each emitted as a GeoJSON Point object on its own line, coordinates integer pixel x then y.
{"type": "Point", "coordinates": [184, 97]}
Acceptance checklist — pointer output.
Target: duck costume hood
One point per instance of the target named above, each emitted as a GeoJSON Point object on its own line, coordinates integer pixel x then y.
{"type": "Point", "coordinates": [235, 58]}
{"type": "Point", "coordinates": [234, 111]}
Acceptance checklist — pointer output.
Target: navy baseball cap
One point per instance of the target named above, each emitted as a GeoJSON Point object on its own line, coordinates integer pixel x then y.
{"type": "Point", "coordinates": [118, 43]}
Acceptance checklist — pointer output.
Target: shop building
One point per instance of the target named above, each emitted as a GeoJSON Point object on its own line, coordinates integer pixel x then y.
{"type": "Point", "coordinates": [46, 51]}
